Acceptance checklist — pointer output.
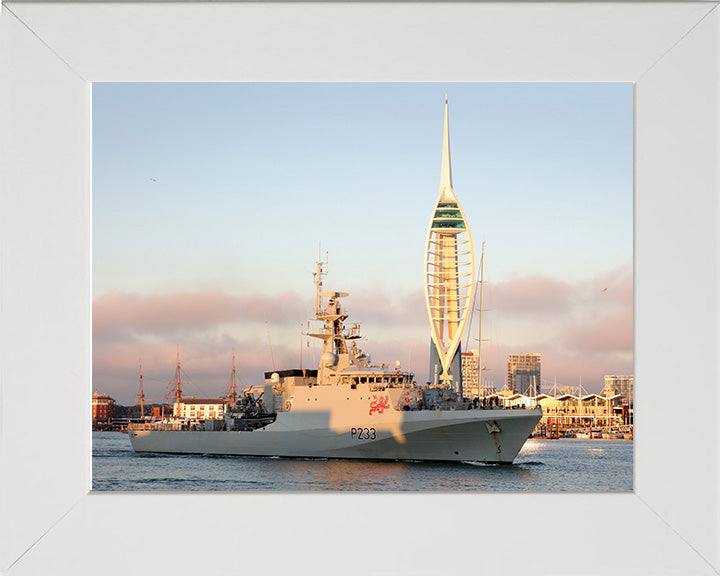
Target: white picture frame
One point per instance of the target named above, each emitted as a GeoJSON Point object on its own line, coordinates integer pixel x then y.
{"type": "Point", "coordinates": [50, 53]}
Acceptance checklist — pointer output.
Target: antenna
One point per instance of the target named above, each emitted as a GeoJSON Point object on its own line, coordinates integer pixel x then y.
{"type": "Point", "coordinates": [272, 358]}
{"type": "Point", "coordinates": [318, 278]}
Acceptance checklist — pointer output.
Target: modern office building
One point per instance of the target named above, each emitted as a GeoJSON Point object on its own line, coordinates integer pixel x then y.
{"type": "Point", "coordinates": [469, 361]}
{"type": "Point", "coordinates": [622, 385]}
{"type": "Point", "coordinates": [449, 276]}
{"type": "Point", "coordinates": [470, 376]}
{"type": "Point", "coordinates": [523, 373]}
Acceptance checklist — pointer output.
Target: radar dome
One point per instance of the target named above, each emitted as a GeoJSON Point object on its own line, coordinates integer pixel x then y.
{"type": "Point", "coordinates": [275, 378]}
{"type": "Point", "coordinates": [329, 359]}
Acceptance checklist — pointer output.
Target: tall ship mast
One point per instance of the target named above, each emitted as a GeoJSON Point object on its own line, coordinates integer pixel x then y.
{"type": "Point", "coordinates": [175, 387]}
{"type": "Point", "coordinates": [480, 320]}
{"type": "Point", "coordinates": [141, 396]}
{"type": "Point", "coordinates": [232, 396]}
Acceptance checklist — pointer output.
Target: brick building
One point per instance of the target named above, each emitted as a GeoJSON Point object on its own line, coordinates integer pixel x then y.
{"type": "Point", "coordinates": [103, 408]}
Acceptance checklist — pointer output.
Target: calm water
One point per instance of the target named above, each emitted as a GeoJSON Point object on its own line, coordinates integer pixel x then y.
{"type": "Point", "coordinates": [541, 466]}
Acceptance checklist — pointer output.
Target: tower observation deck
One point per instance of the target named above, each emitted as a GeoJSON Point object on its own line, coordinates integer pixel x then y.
{"type": "Point", "coordinates": [449, 276]}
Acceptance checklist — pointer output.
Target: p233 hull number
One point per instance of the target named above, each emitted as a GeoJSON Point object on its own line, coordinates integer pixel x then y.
{"type": "Point", "coordinates": [363, 433]}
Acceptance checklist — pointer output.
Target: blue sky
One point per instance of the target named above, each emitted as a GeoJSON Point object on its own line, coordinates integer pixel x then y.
{"type": "Point", "coordinates": [250, 178]}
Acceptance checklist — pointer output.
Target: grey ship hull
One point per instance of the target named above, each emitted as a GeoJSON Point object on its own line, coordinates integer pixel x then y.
{"type": "Point", "coordinates": [493, 436]}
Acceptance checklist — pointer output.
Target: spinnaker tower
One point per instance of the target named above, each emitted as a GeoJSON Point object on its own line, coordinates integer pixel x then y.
{"type": "Point", "coordinates": [449, 276]}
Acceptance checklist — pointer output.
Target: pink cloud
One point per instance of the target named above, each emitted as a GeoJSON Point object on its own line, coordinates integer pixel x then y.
{"type": "Point", "coordinates": [413, 352]}
{"type": "Point", "coordinates": [532, 295]}
{"type": "Point", "coordinates": [613, 287]}
{"type": "Point", "coordinates": [604, 319]}
{"type": "Point", "coordinates": [538, 295]}
{"type": "Point", "coordinates": [118, 313]}
{"type": "Point", "coordinates": [382, 307]}
{"type": "Point", "coordinates": [586, 369]}
{"type": "Point", "coordinates": [613, 332]}
{"type": "Point", "coordinates": [581, 331]}
{"type": "Point", "coordinates": [560, 364]}
{"type": "Point", "coordinates": [206, 364]}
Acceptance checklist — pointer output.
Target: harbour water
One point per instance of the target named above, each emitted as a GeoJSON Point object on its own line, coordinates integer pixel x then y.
{"type": "Point", "coordinates": [542, 466]}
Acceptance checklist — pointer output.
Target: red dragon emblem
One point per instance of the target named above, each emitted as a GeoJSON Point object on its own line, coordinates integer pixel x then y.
{"type": "Point", "coordinates": [379, 404]}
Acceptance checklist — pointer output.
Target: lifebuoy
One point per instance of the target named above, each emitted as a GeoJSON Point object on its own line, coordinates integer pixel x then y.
{"type": "Point", "coordinates": [407, 400]}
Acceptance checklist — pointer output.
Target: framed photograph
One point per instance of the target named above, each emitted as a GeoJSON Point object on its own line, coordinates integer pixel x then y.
{"type": "Point", "coordinates": [51, 53]}
{"type": "Point", "coordinates": [208, 272]}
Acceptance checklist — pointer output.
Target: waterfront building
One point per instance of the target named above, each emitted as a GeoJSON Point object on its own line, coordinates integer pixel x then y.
{"type": "Point", "coordinates": [103, 408]}
{"type": "Point", "coordinates": [199, 408]}
{"type": "Point", "coordinates": [565, 412]}
{"type": "Point", "coordinates": [449, 276]}
{"type": "Point", "coordinates": [470, 376]}
{"type": "Point", "coordinates": [622, 385]}
{"type": "Point", "coordinates": [469, 362]}
{"type": "Point", "coordinates": [570, 411]}
{"type": "Point", "coordinates": [523, 373]}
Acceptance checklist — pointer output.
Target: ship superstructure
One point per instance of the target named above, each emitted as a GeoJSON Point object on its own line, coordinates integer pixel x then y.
{"type": "Point", "coordinates": [449, 274]}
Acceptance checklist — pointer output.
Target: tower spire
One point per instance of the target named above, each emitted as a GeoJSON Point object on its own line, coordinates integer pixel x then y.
{"type": "Point", "coordinates": [446, 190]}
{"type": "Point", "coordinates": [449, 274]}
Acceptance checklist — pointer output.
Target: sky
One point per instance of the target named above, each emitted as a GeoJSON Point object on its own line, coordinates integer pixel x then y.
{"type": "Point", "coordinates": [211, 203]}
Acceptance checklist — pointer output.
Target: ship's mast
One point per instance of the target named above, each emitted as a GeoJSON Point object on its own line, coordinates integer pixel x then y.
{"type": "Point", "coordinates": [233, 395]}
{"type": "Point", "coordinates": [318, 279]}
{"type": "Point", "coordinates": [177, 393]}
{"type": "Point", "coordinates": [178, 390]}
{"type": "Point", "coordinates": [272, 357]}
{"type": "Point", "coordinates": [141, 396]}
{"type": "Point", "coordinates": [482, 281]}
{"type": "Point", "coordinates": [332, 316]}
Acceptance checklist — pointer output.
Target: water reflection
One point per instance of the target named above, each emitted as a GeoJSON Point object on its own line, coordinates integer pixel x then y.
{"type": "Point", "coordinates": [353, 475]}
